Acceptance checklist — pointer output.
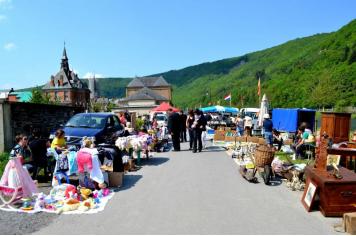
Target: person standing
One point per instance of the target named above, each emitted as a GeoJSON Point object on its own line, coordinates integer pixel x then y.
{"type": "Point", "coordinates": [123, 119]}
{"type": "Point", "coordinates": [267, 128]}
{"type": "Point", "coordinates": [198, 127]}
{"type": "Point", "coordinates": [183, 131]}
{"type": "Point", "coordinates": [248, 125]}
{"type": "Point", "coordinates": [174, 127]}
{"type": "Point", "coordinates": [38, 148]}
{"type": "Point", "coordinates": [189, 123]}
{"type": "Point", "coordinates": [23, 152]}
{"type": "Point", "coordinates": [240, 125]}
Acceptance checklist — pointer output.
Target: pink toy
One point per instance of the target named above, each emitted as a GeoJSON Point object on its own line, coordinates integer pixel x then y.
{"type": "Point", "coordinates": [24, 178]}
{"type": "Point", "coordinates": [105, 192]}
{"type": "Point", "coordinates": [84, 159]}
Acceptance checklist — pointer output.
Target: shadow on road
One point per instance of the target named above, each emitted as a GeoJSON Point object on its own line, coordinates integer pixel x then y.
{"type": "Point", "coordinates": [129, 181]}
{"type": "Point", "coordinates": [154, 161]}
{"type": "Point", "coordinates": [214, 149]}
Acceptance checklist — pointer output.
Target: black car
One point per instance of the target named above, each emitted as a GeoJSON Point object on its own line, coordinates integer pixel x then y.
{"type": "Point", "coordinates": [100, 127]}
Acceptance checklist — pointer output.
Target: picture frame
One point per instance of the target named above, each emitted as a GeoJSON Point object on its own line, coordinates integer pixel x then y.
{"type": "Point", "coordinates": [333, 159]}
{"type": "Point", "coordinates": [309, 194]}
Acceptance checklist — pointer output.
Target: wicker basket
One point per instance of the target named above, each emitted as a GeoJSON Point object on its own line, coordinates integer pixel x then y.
{"type": "Point", "coordinates": [263, 156]}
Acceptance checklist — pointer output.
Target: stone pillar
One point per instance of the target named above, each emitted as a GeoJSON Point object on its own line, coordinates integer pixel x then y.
{"type": "Point", "coordinates": [6, 136]}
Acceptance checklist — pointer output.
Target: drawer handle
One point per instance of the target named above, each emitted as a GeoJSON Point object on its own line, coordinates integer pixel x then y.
{"type": "Point", "coordinates": [346, 194]}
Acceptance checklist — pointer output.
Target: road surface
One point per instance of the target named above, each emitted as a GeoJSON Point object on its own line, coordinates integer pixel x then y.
{"type": "Point", "coordinates": [202, 193]}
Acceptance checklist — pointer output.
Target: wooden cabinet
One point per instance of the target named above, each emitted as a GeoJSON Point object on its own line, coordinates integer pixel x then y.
{"type": "Point", "coordinates": [336, 125]}
{"type": "Point", "coordinates": [336, 196]}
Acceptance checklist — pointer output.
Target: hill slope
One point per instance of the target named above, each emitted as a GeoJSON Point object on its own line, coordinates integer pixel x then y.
{"type": "Point", "coordinates": [315, 71]}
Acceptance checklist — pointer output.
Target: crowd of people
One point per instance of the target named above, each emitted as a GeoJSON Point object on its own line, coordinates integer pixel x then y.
{"type": "Point", "coordinates": [32, 150]}
{"type": "Point", "coordinates": [178, 125]}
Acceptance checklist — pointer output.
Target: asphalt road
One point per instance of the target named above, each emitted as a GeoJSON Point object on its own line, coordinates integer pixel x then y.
{"type": "Point", "coordinates": [202, 193]}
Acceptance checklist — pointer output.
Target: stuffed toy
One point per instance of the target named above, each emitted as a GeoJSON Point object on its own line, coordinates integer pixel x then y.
{"type": "Point", "coordinates": [71, 192]}
{"type": "Point", "coordinates": [86, 205]}
{"type": "Point", "coordinates": [69, 205]}
{"type": "Point", "coordinates": [85, 193]}
{"type": "Point", "coordinates": [40, 201]}
{"type": "Point", "coordinates": [105, 192]}
{"type": "Point", "coordinates": [96, 197]}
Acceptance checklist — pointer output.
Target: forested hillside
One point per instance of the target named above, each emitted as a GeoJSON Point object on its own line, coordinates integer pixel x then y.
{"type": "Point", "coordinates": [315, 71]}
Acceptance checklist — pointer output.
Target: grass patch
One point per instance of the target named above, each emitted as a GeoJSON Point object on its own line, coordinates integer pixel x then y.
{"type": "Point", "coordinates": [4, 158]}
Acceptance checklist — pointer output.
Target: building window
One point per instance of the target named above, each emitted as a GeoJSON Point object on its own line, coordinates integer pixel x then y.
{"type": "Point", "coordinates": [66, 97]}
{"type": "Point", "coordinates": [55, 95]}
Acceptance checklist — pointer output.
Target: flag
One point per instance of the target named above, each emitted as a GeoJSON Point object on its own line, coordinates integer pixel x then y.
{"type": "Point", "coordinates": [259, 87]}
{"type": "Point", "coordinates": [228, 97]}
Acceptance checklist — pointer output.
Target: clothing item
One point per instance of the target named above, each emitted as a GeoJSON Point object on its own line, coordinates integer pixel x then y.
{"type": "Point", "coordinates": [62, 163]}
{"type": "Point", "coordinates": [84, 160]}
{"type": "Point", "coordinates": [24, 152]}
{"type": "Point", "coordinates": [190, 121]}
{"type": "Point", "coordinates": [268, 137]}
{"type": "Point", "coordinates": [267, 125]}
{"type": "Point", "coordinates": [96, 174]}
{"type": "Point", "coordinates": [39, 149]}
{"type": "Point", "coordinates": [72, 161]}
{"type": "Point", "coordinates": [197, 140]}
{"type": "Point", "coordinates": [183, 135]}
{"type": "Point", "coordinates": [248, 121]}
{"type": "Point", "coordinates": [58, 142]}
{"type": "Point", "coordinates": [191, 138]}
{"type": "Point", "coordinates": [176, 141]}
{"type": "Point", "coordinates": [174, 124]}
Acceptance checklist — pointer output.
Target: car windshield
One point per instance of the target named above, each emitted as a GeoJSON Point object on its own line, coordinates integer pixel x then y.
{"type": "Point", "coordinates": [251, 114]}
{"type": "Point", "coordinates": [161, 118]}
{"type": "Point", "coordinates": [87, 121]}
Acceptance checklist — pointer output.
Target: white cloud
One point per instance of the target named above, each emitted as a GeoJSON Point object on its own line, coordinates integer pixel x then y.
{"type": "Point", "coordinates": [2, 18]}
{"type": "Point", "coordinates": [9, 46]}
{"type": "Point", "coordinates": [91, 75]}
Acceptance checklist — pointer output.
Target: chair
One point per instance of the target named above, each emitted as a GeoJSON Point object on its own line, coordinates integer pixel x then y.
{"type": "Point", "coordinates": [10, 196]}
{"type": "Point", "coordinates": [309, 150]}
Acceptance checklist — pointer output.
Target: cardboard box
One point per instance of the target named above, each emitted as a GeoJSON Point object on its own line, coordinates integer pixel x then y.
{"type": "Point", "coordinates": [115, 179]}
{"type": "Point", "coordinates": [350, 222]}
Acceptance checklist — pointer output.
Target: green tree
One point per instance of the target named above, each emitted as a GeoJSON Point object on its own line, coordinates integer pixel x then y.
{"type": "Point", "coordinates": [37, 96]}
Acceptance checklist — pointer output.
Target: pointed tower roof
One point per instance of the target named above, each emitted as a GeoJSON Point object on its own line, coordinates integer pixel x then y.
{"type": "Point", "coordinates": [64, 57]}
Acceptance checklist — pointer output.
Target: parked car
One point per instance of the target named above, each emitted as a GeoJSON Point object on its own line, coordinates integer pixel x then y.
{"type": "Point", "coordinates": [100, 127]}
{"type": "Point", "coordinates": [162, 120]}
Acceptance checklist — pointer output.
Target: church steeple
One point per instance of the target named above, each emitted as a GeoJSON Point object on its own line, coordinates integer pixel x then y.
{"type": "Point", "coordinates": [64, 63]}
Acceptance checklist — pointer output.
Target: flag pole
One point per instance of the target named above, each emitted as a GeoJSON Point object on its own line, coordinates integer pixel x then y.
{"type": "Point", "coordinates": [230, 99]}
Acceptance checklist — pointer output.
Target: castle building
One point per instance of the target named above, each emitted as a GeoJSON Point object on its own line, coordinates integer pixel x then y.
{"type": "Point", "coordinates": [66, 88]}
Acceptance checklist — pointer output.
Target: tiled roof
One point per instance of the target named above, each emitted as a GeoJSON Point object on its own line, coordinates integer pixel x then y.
{"type": "Point", "coordinates": [146, 94]}
{"type": "Point", "coordinates": [148, 82]}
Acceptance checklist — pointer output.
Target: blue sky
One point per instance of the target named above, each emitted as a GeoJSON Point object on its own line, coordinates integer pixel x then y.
{"type": "Point", "coordinates": [142, 37]}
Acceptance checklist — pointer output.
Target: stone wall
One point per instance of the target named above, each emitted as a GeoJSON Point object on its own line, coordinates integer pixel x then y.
{"type": "Point", "coordinates": [18, 117]}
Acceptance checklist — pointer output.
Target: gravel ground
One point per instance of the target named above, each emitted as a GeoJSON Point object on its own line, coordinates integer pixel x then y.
{"type": "Point", "coordinates": [23, 223]}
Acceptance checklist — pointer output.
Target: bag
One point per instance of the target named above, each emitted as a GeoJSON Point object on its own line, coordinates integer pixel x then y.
{"type": "Point", "coordinates": [62, 163]}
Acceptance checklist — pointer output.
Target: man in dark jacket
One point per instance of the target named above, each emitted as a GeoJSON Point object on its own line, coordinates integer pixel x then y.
{"type": "Point", "coordinates": [38, 148]}
{"type": "Point", "coordinates": [198, 127]}
{"type": "Point", "coordinates": [174, 128]}
{"type": "Point", "coordinates": [183, 131]}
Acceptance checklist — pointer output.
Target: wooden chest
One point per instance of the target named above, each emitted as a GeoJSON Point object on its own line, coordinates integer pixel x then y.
{"type": "Point", "coordinates": [336, 196]}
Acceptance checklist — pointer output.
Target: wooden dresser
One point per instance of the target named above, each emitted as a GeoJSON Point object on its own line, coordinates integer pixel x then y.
{"type": "Point", "coordinates": [336, 196]}
{"type": "Point", "coordinates": [336, 125]}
